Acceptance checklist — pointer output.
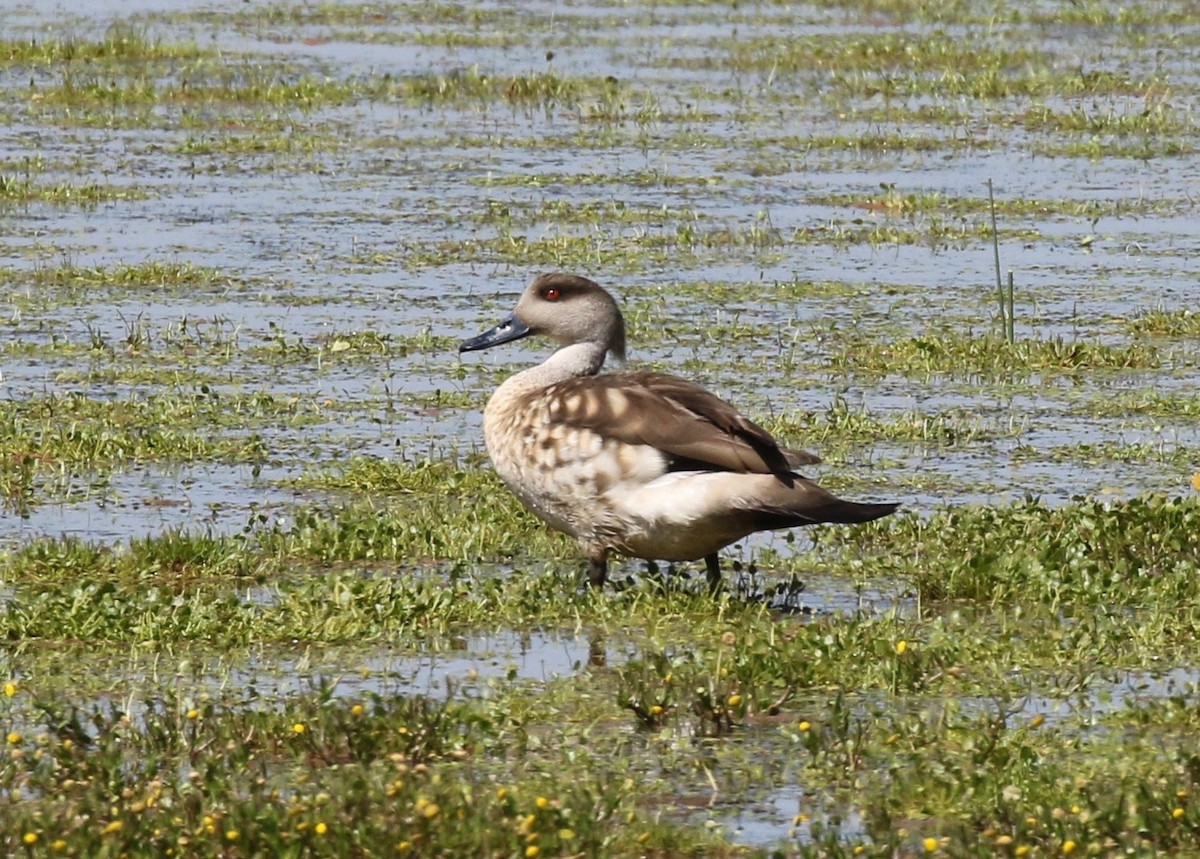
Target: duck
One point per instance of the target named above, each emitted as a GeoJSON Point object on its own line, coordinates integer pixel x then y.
{"type": "Point", "coordinates": [642, 464]}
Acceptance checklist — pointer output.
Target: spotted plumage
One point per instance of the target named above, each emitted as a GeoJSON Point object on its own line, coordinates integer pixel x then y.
{"type": "Point", "coordinates": [645, 464]}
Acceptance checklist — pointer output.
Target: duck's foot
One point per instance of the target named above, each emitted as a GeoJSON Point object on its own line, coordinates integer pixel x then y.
{"type": "Point", "coordinates": [597, 571]}
{"type": "Point", "coordinates": [712, 566]}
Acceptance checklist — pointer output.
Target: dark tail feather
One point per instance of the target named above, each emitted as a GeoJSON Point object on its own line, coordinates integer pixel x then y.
{"type": "Point", "coordinates": [853, 512]}
{"type": "Point", "coordinates": [799, 501]}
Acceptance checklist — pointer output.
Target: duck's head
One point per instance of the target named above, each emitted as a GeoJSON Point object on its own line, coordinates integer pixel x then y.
{"type": "Point", "coordinates": [565, 307]}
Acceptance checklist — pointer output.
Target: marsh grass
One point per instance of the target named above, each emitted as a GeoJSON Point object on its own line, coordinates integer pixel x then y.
{"type": "Point", "coordinates": [15, 189]}
{"type": "Point", "coordinates": [121, 44]}
{"type": "Point", "coordinates": [1165, 324]}
{"type": "Point", "coordinates": [1138, 553]}
{"type": "Point", "coordinates": [74, 431]}
{"type": "Point", "coordinates": [953, 353]}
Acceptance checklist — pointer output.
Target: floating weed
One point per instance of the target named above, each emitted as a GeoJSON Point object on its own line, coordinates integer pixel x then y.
{"type": "Point", "coordinates": [76, 430]}
{"type": "Point", "coordinates": [966, 354]}
{"type": "Point", "coordinates": [1157, 118]}
{"type": "Point", "coordinates": [1143, 452]}
{"type": "Point", "coordinates": [890, 51]}
{"type": "Point", "coordinates": [121, 44]}
{"type": "Point", "coordinates": [15, 189]}
{"type": "Point", "coordinates": [842, 422]}
{"type": "Point", "coordinates": [72, 283]}
{"type": "Point", "coordinates": [1150, 403]}
{"type": "Point", "coordinates": [895, 202]}
{"type": "Point", "coordinates": [543, 88]}
{"type": "Point", "coordinates": [1165, 323]}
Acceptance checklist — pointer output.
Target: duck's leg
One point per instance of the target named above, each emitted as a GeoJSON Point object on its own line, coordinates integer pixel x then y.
{"type": "Point", "coordinates": [712, 565]}
{"type": "Point", "coordinates": [597, 568]}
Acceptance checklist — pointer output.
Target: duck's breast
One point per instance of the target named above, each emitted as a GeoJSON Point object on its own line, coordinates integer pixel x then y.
{"type": "Point", "coordinates": [569, 476]}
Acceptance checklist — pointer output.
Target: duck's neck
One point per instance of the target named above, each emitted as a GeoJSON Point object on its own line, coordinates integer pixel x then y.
{"type": "Point", "coordinates": [578, 359]}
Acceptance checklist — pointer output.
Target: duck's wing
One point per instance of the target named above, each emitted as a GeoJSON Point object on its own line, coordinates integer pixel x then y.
{"type": "Point", "coordinates": [676, 416]}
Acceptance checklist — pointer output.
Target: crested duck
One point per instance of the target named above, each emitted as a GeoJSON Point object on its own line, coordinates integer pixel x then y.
{"type": "Point", "coordinates": [644, 464]}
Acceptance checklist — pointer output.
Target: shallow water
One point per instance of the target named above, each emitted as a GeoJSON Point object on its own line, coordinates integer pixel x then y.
{"type": "Point", "coordinates": [364, 231]}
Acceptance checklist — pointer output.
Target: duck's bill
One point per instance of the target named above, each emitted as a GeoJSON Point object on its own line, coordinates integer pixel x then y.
{"type": "Point", "coordinates": [507, 331]}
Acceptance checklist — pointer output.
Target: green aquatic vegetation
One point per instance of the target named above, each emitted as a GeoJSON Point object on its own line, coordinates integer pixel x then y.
{"type": "Point", "coordinates": [842, 423]}
{"type": "Point", "coordinates": [314, 774]}
{"type": "Point", "coordinates": [1165, 324]}
{"type": "Point", "coordinates": [1110, 451]}
{"type": "Point", "coordinates": [991, 83]}
{"type": "Point", "coordinates": [326, 14]}
{"type": "Point", "coordinates": [635, 178]}
{"type": "Point", "coordinates": [950, 353]}
{"type": "Point", "coordinates": [16, 189]}
{"type": "Point", "coordinates": [76, 430]}
{"type": "Point", "coordinates": [368, 346]}
{"type": "Point", "coordinates": [1151, 403]}
{"type": "Point", "coordinates": [45, 284]}
{"type": "Point", "coordinates": [1156, 118]}
{"type": "Point", "coordinates": [895, 202]}
{"type": "Point", "coordinates": [237, 84]}
{"type": "Point", "coordinates": [121, 44]}
{"type": "Point", "coordinates": [876, 52]}
{"type": "Point", "coordinates": [1139, 554]}
{"type": "Point", "coordinates": [1097, 147]}
{"type": "Point", "coordinates": [285, 140]}
{"type": "Point", "coordinates": [535, 88]}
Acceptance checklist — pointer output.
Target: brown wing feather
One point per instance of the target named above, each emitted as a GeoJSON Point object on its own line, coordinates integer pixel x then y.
{"type": "Point", "coordinates": [673, 415]}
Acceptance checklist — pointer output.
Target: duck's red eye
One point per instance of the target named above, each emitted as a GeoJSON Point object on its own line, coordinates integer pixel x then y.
{"type": "Point", "coordinates": [551, 294]}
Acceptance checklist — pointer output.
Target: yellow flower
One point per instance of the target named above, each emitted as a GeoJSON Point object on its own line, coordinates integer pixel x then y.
{"type": "Point", "coordinates": [735, 700]}
{"type": "Point", "coordinates": [232, 835]}
{"type": "Point", "coordinates": [112, 828]}
{"type": "Point", "coordinates": [566, 834]}
{"type": "Point", "coordinates": [931, 843]}
{"type": "Point", "coordinates": [298, 728]}
{"type": "Point", "coordinates": [531, 851]}
{"type": "Point", "coordinates": [1177, 813]}
{"type": "Point", "coordinates": [804, 727]}
{"type": "Point", "coordinates": [1068, 847]}
{"type": "Point", "coordinates": [501, 794]}
{"type": "Point", "coordinates": [321, 828]}
{"type": "Point", "coordinates": [902, 646]}
{"type": "Point", "coordinates": [542, 802]}
{"type": "Point", "coordinates": [656, 710]}
{"type": "Point", "coordinates": [14, 738]}
{"type": "Point", "coordinates": [10, 689]}
{"type": "Point", "coordinates": [58, 846]}
{"type": "Point", "coordinates": [30, 838]}
{"type": "Point", "coordinates": [1037, 721]}
{"type": "Point", "coordinates": [357, 709]}
{"type": "Point", "coordinates": [403, 846]}
{"type": "Point", "coordinates": [1195, 485]}
{"type": "Point", "coordinates": [1023, 850]}
{"type": "Point", "coordinates": [193, 714]}
{"type": "Point", "coordinates": [431, 810]}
